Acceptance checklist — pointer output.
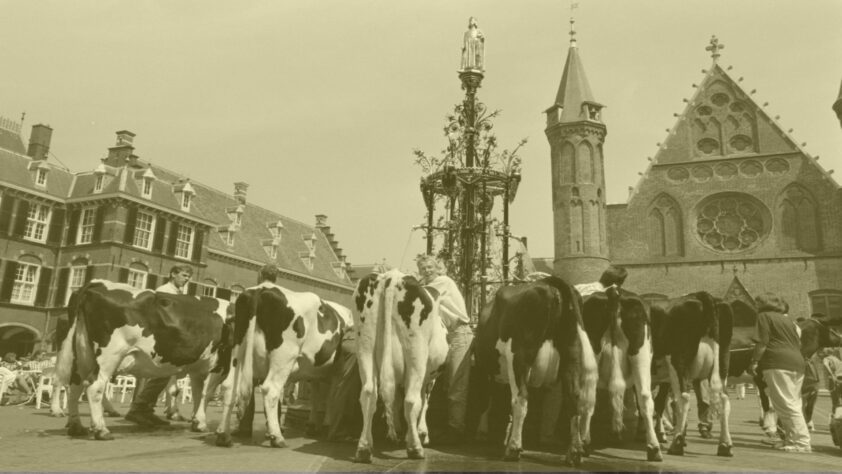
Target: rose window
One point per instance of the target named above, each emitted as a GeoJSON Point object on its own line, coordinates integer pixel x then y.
{"type": "Point", "coordinates": [731, 222]}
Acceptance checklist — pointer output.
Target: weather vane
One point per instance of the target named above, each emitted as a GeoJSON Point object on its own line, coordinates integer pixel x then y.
{"type": "Point", "coordinates": [572, 33]}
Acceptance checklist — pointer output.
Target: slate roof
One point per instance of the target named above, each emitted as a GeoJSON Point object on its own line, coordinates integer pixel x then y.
{"type": "Point", "coordinates": [208, 207]}
{"type": "Point", "coordinates": [574, 89]}
{"type": "Point", "coordinates": [11, 141]}
{"type": "Point", "coordinates": [17, 173]}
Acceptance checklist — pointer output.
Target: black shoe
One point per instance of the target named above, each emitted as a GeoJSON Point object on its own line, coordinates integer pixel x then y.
{"type": "Point", "coordinates": [145, 419]}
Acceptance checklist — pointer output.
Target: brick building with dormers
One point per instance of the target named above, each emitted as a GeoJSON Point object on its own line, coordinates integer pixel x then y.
{"type": "Point", "coordinates": [131, 221]}
{"type": "Point", "coordinates": [730, 203]}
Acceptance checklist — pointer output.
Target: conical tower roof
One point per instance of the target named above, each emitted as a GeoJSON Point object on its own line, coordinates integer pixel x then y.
{"type": "Point", "coordinates": [574, 91]}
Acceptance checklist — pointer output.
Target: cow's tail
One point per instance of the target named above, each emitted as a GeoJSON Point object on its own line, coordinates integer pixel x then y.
{"type": "Point", "coordinates": [617, 381]}
{"type": "Point", "coordinates": [709, 309]}
{"type": "Point", "coordinates": [245, 355]}
{"type": "Point", "coordinates": [383, 351]}
{"type": "Point", "coordinates": [588, 372]}
{"type": "Point", "coordinates": [76, 354]}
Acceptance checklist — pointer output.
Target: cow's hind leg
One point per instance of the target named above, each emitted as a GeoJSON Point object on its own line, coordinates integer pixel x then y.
{"type": "Point", "coordinates": [202, 387]}
{"type": "Point", "coordinates": [74, 423]}
{"type": "Point", "coordinates": [413, 405]}
{"type": "Point", "coordinates": [96, 392]}
{"type": "Point", "coordinates": [642, 379]}
{"type": "Point", "coordinates": [368, 404]}
{"type": "Point", "coordinates": [518, 374]}
{"type": "Point", "coordinates": [681, 393]}
{"type": "Point", "coordinates": [725, 444]}
{"type": "Point", "coordinates": [427, 389]}
{"type": "Point", "coordinates": [56, 409]}
{"type": "Point", "coordinates": [281, 363]}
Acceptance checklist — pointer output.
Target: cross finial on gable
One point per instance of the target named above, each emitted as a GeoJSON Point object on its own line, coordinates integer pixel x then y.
{"type": "Point", "coordinates": [714, 47]}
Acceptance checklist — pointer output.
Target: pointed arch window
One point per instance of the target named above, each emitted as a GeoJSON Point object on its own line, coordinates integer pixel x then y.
{"type": "Point", "coordinates": [799, 220]}
{"type": "Point", "coordinates": [568, 164]}
{"type": "Point", "coordinates": [584, 163]}
{"type": "Point", "coordinates": [664, 222]}
{"type": "Point", "coordinates": [577, 227]}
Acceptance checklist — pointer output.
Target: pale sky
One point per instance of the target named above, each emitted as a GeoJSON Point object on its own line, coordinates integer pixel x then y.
{"type": "Point", "coordinates": [319, 104]}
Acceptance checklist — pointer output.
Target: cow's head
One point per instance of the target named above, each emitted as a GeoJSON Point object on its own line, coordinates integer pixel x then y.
{"type": "Point", "coordinates": [817, 333]}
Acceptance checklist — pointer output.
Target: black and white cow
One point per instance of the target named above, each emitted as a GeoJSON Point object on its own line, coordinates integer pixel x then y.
{"type": "Point", "coordinates": [691, 340]}
{"type": "Point", "coordinates": [401, 342]}
{"type": "Point", "coordinates": [533, 335]}
{"type": "Point", "coordinates": [119, 329]}
{"type": "Point", "coordinates": [280, 336]}
{"type": "Point", "coordinates": [617, 323]}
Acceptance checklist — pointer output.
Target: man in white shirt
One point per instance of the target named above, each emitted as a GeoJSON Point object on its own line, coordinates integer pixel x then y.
{"type": "Point", "coordinates": [142, 410]}
{"type": "Point", "coordinates": [459, 337]}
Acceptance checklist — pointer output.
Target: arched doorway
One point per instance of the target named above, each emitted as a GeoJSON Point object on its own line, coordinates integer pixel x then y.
{"type": "Point", "coordinates": [18, 338]}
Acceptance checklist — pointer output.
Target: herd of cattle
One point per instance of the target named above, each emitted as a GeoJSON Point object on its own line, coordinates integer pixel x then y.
{"type": "Point", "coordinates": [532, 336]}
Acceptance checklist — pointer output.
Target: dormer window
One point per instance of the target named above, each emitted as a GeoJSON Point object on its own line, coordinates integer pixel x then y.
{"type": "Point", "coordinates": [229, 238]}
{"type": "Point", "coordinates": [41, 177]}
{"type": "Point", "coordinates": [148, 178]}
{"type": "Point", "coordinates": [275, 229]}
{"type": "Point", "coordinates": [236, 215]}
{"type": "Point", "coordinates": [99, 182]}
{"type": "Point", "coordinates": [186, 197]}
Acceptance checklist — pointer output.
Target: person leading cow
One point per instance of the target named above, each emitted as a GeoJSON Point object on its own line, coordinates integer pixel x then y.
{"type": "Point", "coordinates": [142, 410]}
{"type": "Point", "coordinates": [459, 338]}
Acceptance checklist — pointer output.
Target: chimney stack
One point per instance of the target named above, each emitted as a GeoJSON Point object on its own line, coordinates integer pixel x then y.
{"type": "Point", "coordinates": [321, 220]}
{"type": "Point", "coordinates": [240, 191]}
{"type": "Point", "coordinates": [120, 154]}
{"type": "Point", "coordinates": [39, 141]}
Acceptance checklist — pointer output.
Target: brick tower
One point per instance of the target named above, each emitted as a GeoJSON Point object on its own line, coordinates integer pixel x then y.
{"type": "Point", "coordinates": [576, 133]}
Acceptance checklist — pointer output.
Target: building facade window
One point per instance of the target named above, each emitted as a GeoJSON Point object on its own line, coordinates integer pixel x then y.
{"type": "Point", "coordinates": [76, 280]}
{"type": "Point", "coordinates": [86, 226]}
{"type": "Point", "coordinates": [26, 281]}
{"type": "Point", "coordinates": [184, 241]}
{"type": "Point", "coordinates": [37, 222]}
{"type": "Point", "coordinates": [143, 230]}
{"type": "Point", "coordinates": [137, 278]}
{"type": "Point", "coordinates": [207, 289]}
{"type": "Point", "coordinates": [147, 188]}
{"type": "Point", "coordinates": [236, 291]}
{"type": "Point", "coordinates": [827, 302]}
{"type": "Point", "coordinates": [98, 184]}
{"type": "Point", "coordinates": [185, 201]}
{"type": "Point", "coordinates": [41, 177]}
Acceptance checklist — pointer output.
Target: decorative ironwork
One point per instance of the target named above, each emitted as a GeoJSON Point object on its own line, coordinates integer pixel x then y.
{"type": "Point", "coordinates": [470, 234]}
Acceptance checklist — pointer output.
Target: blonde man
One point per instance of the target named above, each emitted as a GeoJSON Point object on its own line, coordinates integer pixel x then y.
{"type": "Point", "coordinates": [459, 337]}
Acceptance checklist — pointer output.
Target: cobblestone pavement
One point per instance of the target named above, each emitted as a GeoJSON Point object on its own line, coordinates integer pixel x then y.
{"type": "Point", "coordinates": [32, 440]}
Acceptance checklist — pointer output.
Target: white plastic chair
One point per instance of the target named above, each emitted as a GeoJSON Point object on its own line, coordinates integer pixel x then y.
{"type": "Point", "coordinates": [124, 384]}
{"type": "Point", "coordinates": [6, 379]}
{"type": "Point", "coordinates": [45, 384]}
{"type": "Point", "coordinates": [183, 385]}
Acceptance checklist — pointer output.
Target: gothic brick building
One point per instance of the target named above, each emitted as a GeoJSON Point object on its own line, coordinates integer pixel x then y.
{"type": "Point", "coordinates": [130, 221]}
{"type": "Point", "coordinates": [730, 203]}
